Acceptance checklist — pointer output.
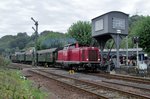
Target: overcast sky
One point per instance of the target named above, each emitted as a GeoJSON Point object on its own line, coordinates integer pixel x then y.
{"type": "Point", "coordinates": [59, 15]}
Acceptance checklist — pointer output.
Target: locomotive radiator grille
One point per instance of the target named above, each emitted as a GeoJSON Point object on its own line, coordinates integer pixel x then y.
{"type": "Point", "coordinates": [93, 56]}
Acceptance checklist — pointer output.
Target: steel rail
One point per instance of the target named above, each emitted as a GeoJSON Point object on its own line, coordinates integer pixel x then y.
{"type": "Point", "coordinates": [123, 77]}
{"type": "Point", "coordinates": [128, 85]}
{"type": "Point", "coordinates": [71, 85]}
{"type": "Point", "coordinates": [100, 85]}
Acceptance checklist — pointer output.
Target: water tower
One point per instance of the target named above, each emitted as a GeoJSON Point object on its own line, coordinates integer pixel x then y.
{"type": "Point", "coordinates": [113, 25]}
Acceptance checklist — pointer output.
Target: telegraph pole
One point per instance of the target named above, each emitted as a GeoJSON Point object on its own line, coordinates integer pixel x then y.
{"type": "Point", "coordinates": [36, 36]}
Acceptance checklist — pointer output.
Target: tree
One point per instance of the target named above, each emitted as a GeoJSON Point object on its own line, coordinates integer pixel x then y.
{"type": "Point", "coordinates": [134, 18]}
{"type": "Point", "coordinates": [81, 31]}
{"type": "Point", "coordinates": [50, 39]}
{"type": "Point", "coordinates": [20, 41]}
{"type": "Point", "coordinates": [141, 28]}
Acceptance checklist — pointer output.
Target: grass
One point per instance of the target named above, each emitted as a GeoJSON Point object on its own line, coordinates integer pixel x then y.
{"type": "Point", "coordinates": [4, 62]}
{"type": "Point", "coordinates": [13, 86]}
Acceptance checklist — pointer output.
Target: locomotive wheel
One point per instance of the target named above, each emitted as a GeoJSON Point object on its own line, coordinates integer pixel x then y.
{"type": "Point", "coordinates": [75, 68]}
{"type": "Point", "coordinates": [95, 70]}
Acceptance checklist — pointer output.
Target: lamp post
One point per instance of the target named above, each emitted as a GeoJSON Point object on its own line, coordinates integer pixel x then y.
{"type": "Point", "coordinates": [36, 36]}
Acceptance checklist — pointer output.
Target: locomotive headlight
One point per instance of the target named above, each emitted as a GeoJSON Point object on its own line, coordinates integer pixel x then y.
{"type": "Point", "coordinates": [98, 59]}
{"type": "Point", "coordinates": [87, 59]}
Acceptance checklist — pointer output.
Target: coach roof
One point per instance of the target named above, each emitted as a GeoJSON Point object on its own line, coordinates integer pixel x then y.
{"type": "Point", "coordinates": [47, 50]}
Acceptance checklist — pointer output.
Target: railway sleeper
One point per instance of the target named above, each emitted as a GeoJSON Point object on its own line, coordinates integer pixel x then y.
{"type": "Point", "coordinates": [83, 86]}
{"type": "Point", "coordinates": [89, 87]}
{"type": "Point", "coordinates": [94, 89]}
{"type": "Point", "coordinates": [110, 94]}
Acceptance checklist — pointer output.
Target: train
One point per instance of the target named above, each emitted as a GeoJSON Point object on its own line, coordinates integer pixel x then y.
{"type": "Point", "coordinates": [72, 56]}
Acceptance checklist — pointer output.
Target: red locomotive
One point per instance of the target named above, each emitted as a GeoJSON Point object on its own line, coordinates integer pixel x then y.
{"type": "Point", "coordinates": [76, 57]}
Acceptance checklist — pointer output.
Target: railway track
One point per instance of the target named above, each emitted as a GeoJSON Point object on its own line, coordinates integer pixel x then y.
{"type": "Point", "coordinates": [100, 90]}
{"type": "Point", "coordinates": [143, 88]}
{"type": "Point", "coordinates": [123, 77]}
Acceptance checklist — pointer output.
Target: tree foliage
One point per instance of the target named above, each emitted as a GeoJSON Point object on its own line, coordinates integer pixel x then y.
{"type": "Point", "coordinates": [142, 29]}
{"type": "Point", "coordinates": [20, 41]}
{"type": "Point", "coordinates": [50, 39]}
{"type": "Point", "coordinates": [10, 43]}
{"type": "Point", "coordinates": [132, 20]}
{"type": "Point", "coordinates": [5, 40]}
{"type": "Point", "coordinates": [81, 31]}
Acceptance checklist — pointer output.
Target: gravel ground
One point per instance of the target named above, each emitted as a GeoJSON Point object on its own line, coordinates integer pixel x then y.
{"type": "Point", "coordinates": [100, 79]}
{"type": "Point", "coordinates": [54, 89]}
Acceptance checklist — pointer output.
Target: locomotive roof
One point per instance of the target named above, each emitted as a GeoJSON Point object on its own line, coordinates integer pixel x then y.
{"type": "Point", "coordinates": [47, 50]}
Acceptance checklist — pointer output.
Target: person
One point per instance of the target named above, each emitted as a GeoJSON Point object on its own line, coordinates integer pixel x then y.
{"type": "Point", "coordinates": [124, 60]}
{"type": "Point", "coordinates": [134, 62]}
{"type": "Point", "coordinates": [130, 63]}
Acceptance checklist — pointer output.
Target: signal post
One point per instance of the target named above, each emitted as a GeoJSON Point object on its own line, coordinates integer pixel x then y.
{"type": "Point", "coordinates": [36, 36]}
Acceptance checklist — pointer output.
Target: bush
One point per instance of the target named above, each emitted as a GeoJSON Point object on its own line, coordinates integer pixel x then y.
{"type": "Point", "coordinates": [4, 62]}
{"type": "Point", "coordinates": [12, 86]}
